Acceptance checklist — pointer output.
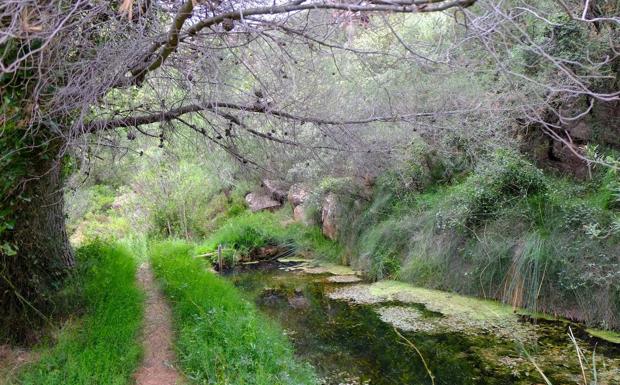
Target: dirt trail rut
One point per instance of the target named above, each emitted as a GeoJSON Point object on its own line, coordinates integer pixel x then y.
{"type": "Point", "coordinates": [157, 366]}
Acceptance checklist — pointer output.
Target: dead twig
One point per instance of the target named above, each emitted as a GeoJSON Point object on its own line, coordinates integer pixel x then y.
{"type": "Point", "coordinates": [410, 344]}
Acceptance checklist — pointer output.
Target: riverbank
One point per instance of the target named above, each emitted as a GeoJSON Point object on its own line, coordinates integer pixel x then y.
{"type": "Point", "coordinates": [220, 337]}
{"type": "Point", "coordinates": [342, 328]}
{"type": "Point", "coordinates": [391, 333]}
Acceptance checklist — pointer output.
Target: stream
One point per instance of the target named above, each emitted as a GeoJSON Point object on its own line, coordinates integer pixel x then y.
{"type": "Point", "coordinates": [387, 340]}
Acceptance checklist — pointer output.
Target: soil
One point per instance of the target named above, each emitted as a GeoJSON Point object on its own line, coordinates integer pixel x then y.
{"type": "Point", "coordinates": [12, 359]}
{"type": "Point", "coordinates": [158, 364]}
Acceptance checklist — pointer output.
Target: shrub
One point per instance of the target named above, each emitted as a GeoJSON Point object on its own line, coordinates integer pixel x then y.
{"type": "Point", "coordinates": [176, 198]}
{"type": "Point", "coordinates": [496, 183]}
{"type": "Point", "coordinates": [94, 200]}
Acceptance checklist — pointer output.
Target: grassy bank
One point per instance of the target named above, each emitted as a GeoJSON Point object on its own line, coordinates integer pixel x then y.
{"type": "Point", "coordinates": [101, 347]}
{"type": "Point", "coordinates": [506, 231]}
{"type": "Point", "coordinates": [243, 234]}
{"type": "Point", "coordinates": [221, 338]}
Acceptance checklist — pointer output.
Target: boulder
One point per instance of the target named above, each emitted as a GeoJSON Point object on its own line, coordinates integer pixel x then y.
{"type": "Point", "coordinates": [329, 216]}
{"type": "Point", "coordinates": [298, 213]}
{"type": "Point", "coordinates": [259, 202]}
{"type": "Point", "coordinates": [299, 302]}
{"type": "Point", "coordinates": [277, 189]}
{"type": "Point", "coordinates": [298, 194]}
{"type": "Point", "coordinates": [568, 161]}
{"type": "Point", "coordinates": [580, 131]}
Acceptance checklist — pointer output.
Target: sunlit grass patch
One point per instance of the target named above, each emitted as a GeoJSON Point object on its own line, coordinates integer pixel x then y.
{"type": "Point", "coordinates": [247, 232]}
{"type": "Point", "coordinates": [102, 347]}
{"type": "Point", "coordinates": [221, 337]}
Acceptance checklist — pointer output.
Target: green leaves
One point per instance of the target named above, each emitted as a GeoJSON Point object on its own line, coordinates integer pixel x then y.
{"type": "Point", "coordinates": [8, 249]}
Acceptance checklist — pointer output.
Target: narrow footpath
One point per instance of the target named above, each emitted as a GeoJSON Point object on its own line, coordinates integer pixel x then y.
{"type": "Point", "coordinates": [157, 366]}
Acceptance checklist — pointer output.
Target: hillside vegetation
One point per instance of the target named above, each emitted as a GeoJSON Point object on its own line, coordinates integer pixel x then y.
{"type": "Point", "coordinates": [445, 146]}
{"type": "Point", "coordinates": [504, 229]}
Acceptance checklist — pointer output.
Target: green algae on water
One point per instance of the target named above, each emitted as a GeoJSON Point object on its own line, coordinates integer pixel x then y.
{"type": "Point", "coordinates": [607, 335]}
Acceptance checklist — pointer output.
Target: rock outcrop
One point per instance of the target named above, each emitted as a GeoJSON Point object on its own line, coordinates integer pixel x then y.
{"type": "Point", "coordinates": [276, 189]}
{"type": "Point", "coordinates": [601, 126]}
{"type": "Point", "coordinates": [258, 202]}
{"type": "Point", "coordinates": [329, 216]}
{"type": "Point", "coordinates": [299, 213]}
{"type": "Point", "coordinates": [298, 194]}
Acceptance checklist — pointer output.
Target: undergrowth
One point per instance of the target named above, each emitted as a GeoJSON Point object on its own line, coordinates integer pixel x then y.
{"type": "Point", "coordinates": [245, 233]}
{"type": "Point", "coordinates": [101, 347]}
{"type": "Point", "coordinates": [506, 231]}
{"type": "Point", "coordinates": [221, 337]}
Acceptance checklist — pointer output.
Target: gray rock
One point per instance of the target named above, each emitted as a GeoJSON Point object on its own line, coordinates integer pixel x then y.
{"type": "Point", "coordinates": [276, 189]}
{"type": "Point", "coordinates": [259, 202]}
{"type": "Point", "coordinates": [298, 194]}
{"type": "Point", "coordinates": [299, 302]}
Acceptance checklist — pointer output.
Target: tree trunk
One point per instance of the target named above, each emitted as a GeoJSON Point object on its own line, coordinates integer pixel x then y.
{"type": "Point", "coordinates": [41, 255]}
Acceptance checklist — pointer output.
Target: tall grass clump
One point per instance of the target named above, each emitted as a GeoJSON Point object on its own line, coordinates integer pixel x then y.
{"type": "Point", "coordinates": [247, 232]}
{"type": "Point", "coordinates": [101, 347]}
{"type": "Point", "coordinates": [221, 337]}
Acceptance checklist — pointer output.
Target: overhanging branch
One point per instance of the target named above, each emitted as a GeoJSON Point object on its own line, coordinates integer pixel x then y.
{"type": "Point", "coordinates": [160, 50]}
{"type": "Point", "coordinates": [216, 107]}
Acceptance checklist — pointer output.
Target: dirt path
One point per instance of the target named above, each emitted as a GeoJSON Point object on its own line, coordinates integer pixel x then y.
{"type": "Point", "coordinates": [157, 366]}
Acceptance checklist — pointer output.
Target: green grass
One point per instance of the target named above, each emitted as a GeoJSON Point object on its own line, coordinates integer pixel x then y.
{"type": "Point", "coordinates": [221, 338]}
{"type": "Point", "coordinates": [246, 232]}
{"type": "Point", "coordinates": [606, 335]}
{"type": "Point", "coordinates": [102, 346]}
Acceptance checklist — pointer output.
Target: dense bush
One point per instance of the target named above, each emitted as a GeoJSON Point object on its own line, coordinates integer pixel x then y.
{"type": "Point", "coordinates": [496, 183]}
{"type": "Point", "coordinates": [176, 198]}
{"type": "Point", "coordinates": [179, 201]}
{"type": "Point", "coordinates": [96, 199]}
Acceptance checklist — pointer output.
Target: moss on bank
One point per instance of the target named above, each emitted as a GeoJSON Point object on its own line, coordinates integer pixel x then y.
{"type": "Point", "coordinates": [606, 335]}
{"type": "Point", "coordinates": [440, 311]}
